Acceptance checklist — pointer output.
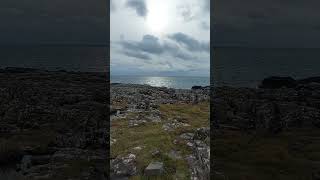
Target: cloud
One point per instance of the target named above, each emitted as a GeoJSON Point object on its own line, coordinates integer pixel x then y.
{"type": "Point", "coordinates": [186, 12]}
{"type": "Point", "coordinates": [151, 45]}
{"type": "Point", "coordinates": [189, 42]}
{"type": "Point", "coordinates": [137, 55]}
{"type": "Point", "coordinates": [183, 56]}
{"type": "Point", "coordinates": [139, 6]}
{"type": "Point", "coordinates": [205, 25]}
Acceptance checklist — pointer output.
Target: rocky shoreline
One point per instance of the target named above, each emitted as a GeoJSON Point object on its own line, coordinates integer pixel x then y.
{"type": "Point", "coordinates": [279, 104]}
{"type": "Point", "coordinates": [54, 125]}
{"type": "Point", "coordinates": [278, 120]}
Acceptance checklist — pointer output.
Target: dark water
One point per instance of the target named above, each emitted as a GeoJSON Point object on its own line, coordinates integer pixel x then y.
{"type": "Point", "coordinates": [248, 66]}
{"type": "Point", "coordinates": [170, 82]}
{"type": "Point", "coordinates": [82, 58]}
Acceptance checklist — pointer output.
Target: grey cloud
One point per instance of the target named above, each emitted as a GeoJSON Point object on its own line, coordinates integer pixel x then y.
{"type": "Point", "coordinates": [139, 6]}
{"type": "Point", "coordinates": [151, 45]}
{"type": "Point", "coordinates": [186, 12]}
{"type": "Point", "coordinates": [176, 52]}
{"type": "Point", "coordinates": [189, 42]}
{"type": "Point", "coordinates": [138, 55]}
{"type": "Point", "coordinates": [183, 56]}
{"type": "Point", "coordinates": [167, 63]}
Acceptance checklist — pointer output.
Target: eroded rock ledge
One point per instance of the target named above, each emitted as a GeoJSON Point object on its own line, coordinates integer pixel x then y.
{"type": "Point", "coordinates": [54, 125]}
{"type": "Point", "coordinates": [280, 103]}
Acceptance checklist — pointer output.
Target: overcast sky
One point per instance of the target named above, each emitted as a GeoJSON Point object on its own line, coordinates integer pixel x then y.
{"type": "Point", "coordinates": [267, 23]}
{"type": "Point", "coordinates": [160, 37]}
{"type": "Point", "coordinates": [53, 21]}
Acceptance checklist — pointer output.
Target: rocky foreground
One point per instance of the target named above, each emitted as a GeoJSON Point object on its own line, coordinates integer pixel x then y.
{"type": "Point", "coordinates": [54, 125]}
{"type": "Point", "coordinates": [159, 132]}
{"type": "Point", "coordinates": [271, 132]}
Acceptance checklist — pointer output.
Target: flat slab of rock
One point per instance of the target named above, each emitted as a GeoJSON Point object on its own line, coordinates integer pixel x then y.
{"type": "Point", "coordinates": [154, 169]}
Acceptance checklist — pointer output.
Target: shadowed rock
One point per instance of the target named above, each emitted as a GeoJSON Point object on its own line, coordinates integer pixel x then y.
{"type": "Point", "coordinates": [278, 82]}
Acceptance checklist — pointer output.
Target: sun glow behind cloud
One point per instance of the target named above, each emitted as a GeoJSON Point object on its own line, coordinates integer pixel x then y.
{"type": "Point", "coordinates": [158, 15]}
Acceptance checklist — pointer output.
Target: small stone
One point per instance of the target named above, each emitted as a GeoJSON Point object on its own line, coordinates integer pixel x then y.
{"type": "Point", "coordinates": [112, 141]}
{"type": "Point", "coordinates": [154, 169]}
{"type": "Point", "coordinates": [138, 148]}
{"type": "Point", "coordinates": [155, 153]}
{"type": "Point", "coordinates": [175, 141]}
{"type": "Point", "coordinates": [187, 136]}
{"type": "Point", "coordinates": [190, 144]}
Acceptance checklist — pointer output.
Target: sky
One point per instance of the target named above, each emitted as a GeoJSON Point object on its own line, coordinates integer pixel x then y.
{"type": "Point", "coordinates": [53, 22]}
{"type": "Point", "coordinates": [160, 38]}
{"type": "Point", "coordinates": [266, 23]}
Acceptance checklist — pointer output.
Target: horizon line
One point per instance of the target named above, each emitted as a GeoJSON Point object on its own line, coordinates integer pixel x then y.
{"type": "Point", "coordinates": [159, 75]}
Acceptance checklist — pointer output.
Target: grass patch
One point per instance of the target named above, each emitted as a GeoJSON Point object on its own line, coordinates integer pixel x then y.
{"type": "Point", "coordinates": [151, 136]}
{"type": "Point", "coordinates": [195, 115]}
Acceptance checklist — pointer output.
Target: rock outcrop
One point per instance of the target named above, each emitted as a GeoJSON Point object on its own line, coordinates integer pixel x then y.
{"type": "Point", "coordinates": [54, 124]}
{"type": "Point", "coordinates": [273, 108]}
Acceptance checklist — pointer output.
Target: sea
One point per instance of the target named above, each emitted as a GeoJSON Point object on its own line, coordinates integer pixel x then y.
{"type": "Point", "coordinates": [71, 58]}
{"type": "Point", "coordinates": [247, 67]}
{"type": "Point", "coordinates": [176, 82]}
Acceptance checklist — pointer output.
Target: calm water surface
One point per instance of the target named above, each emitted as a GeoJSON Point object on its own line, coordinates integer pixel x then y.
{"type": "Point", "coordinates": [248, 66]}
{"type": "Point", "coordinates": [71, 58]}
{"type": "Point", "coordinates": [170, 82]}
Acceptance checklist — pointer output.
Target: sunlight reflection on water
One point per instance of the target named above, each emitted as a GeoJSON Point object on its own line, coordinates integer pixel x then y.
{"type": "Point", "coordinates": [170, 82]}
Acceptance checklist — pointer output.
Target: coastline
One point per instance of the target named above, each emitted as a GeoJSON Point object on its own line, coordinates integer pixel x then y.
{"type": "Point", "coordinates": [175, 82]}
{"type": "Point", "coordinates": [275, 126]}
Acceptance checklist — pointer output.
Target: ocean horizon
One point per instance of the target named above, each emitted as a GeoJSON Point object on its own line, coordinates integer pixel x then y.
{"type": "Point", "coordinates": [247, 67]}
{"type": "Point", "coordinates": [176, 82]}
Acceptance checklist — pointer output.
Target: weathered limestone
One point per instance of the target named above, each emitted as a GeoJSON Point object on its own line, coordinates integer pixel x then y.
{"type": "Point", "coordinates": [154, 169]}
{"type": "Point", "coordinates": [71, 107]}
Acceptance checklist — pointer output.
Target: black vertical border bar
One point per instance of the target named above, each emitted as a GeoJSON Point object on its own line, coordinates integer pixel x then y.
{"type": "Point", "coordinates": [211, 87]}
{"type": "Point", "coordinates": [108, 83]}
